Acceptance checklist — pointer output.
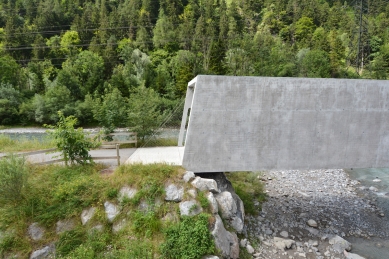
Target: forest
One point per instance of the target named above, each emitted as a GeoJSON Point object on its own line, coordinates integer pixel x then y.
{"type": "Point", "coordinates": [116, 63]}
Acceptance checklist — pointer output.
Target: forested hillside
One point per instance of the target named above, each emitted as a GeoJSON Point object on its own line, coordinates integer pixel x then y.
{"type": "Point", "coordinates": [107, 62]}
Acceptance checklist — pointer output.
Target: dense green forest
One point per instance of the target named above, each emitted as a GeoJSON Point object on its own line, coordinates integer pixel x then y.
{"type": "Point", "coordinates": [114, 62]}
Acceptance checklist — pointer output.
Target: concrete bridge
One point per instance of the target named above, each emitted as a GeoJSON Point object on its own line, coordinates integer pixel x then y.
{"type": "Point", "coordinates": [256, 123]}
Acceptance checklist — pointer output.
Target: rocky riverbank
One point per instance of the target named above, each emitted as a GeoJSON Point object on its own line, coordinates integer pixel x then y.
{"type": "Point", "coordinates": [310, 214]}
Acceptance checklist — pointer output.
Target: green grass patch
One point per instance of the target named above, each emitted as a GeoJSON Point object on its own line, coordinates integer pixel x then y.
{"type": "Point", "coordinates": [188, 239]}
{"type": "Point", "coordinates": [249, 188]}
{"type": "Point", "coordinates": [7, 144]}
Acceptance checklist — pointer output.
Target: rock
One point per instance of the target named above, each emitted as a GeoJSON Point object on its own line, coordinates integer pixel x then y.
{"type": "Point", "coordinates": [352, 256]}
{"type": "Point", "coordinates": [189, 176]}
{"type": "Point", "coordinates": [210, 257]}
{"type": "Point", "coordinates": [35, 231]}
{"type": "Point", "coordinates": [226, 204]}
{"type": "Point", "coordinates": [312, 223]}
{"type": "Point", "coordinates": [111, 210]}
{"type": "Point", "coordinates": [174, 193]}
{"type": "Point", "coordinates": [237, 224]}
{"type": "Point", "coordinates": [282, 243]}
{"type": "Point", "coordinates": [313, 231]}
{"type": "Point", "coordinates": [45, 252]}
{"type": "Point", "coordinates": [250, 249]}
{"type": "Point", "coordinates": [243, 242]}
{"type": "Point", "coordinates": [339, 244]}
{"type": "Point", "coordinates": [192, 193]}
{"type": "Point", "coordinates": [377, 180]}
{"type": "Point", "coordinates": [64, 225]}
{"type": "Point", "coordinates": [190, 208]}
{"type": "Point", "coordinates": [119, 225]}
{"type": "Point", "coordinates": [97, 228]}
{"type": "Point", "coordinates": [212, 203]}
{"type": "Point", "coordinates": [373, 189]}
{"type": "Point", "coordinates": [234, 246]}
{"type": "Point", "coordinates": [87, 214]}
{"type": "Point", "coordinates": [126, 193]}
{"type": "Point", "coordinates": [225, 242]}
{"type": "Point", "coordinates": [284, 234]}
{"type": "Point", "coordinates": [205, 184]}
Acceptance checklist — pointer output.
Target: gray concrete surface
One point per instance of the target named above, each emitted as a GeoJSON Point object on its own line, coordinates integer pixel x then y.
{"type": "Point", "coordinates": [151, 155]}
{"type": "Point", "coordinates": [255, 123]}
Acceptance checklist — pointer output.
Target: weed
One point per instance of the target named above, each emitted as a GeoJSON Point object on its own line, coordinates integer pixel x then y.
{"type": "Point", "coordinates": [177, 238]}
{"type": "Point", "coordinates": [145, 224]}
{"type": "Point", "coordinates": [248, 188]}
{"type": "Point", "coordinates": [203, 200]}
{"type": "Point", "coordinates": [7, 144]}
{"type": "Point", "coordinates": [112, 193]}
{"type": "Point", "coordinates": [13, 178]}
{"type": "Point", "coordinates": [70, 240]}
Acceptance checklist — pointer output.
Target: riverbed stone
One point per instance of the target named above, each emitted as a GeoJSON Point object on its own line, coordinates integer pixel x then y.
{"type": "Point", "coordinates": [339, 244]}
{"type": "Point", "coordinates": [312, 223]}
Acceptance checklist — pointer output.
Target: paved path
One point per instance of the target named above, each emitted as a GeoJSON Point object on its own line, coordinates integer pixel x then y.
{"type": "Point", "coordinates": [168, 155]}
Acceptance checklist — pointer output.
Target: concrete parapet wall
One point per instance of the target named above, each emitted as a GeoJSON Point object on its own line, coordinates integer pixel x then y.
{"type": "Point", "coordinates": [255, 123]}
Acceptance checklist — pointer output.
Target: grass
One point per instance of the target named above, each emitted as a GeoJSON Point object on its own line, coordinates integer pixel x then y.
{"type": "Point", "coordinates": [249, 188]}
{"type": "Point", "coordinates": [56, 192]}
{"type": "Point", "coordinates": [7, 144]}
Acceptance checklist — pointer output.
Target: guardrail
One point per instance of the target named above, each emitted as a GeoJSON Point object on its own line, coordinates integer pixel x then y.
{"type": "Point", "coordinates": [117, 157]}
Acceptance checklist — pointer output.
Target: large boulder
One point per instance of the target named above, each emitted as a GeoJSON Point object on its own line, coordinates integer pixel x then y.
{"type": "Point", "coordinates": [190, 208]}
{"type": "Point", "coordinates": [225, 242]}
{"type": "Point", "coordinates": [204, 184]}
{"type": "Point", "coordinates": [227, 204]}
{"type": "Point", "coordinates": [174, 193]}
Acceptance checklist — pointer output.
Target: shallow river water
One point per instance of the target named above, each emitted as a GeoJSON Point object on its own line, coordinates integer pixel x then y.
{"type": "Point", "coordinates": [378, 178]}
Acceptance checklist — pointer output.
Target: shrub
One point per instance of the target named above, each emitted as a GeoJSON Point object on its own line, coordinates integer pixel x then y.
{"type": "Point", "coordinates": [188, 239]}
{"type": "Point", "coordinates": [71, 142]}
{"type": "Point", "coordinates": [13, 178]}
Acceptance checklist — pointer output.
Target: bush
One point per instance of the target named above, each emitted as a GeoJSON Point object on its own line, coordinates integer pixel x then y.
{"type": "Point", "coordinates": [189, 239]}
{"type": "Point", "coordinates": [71, 142]}
{"type": "Point", "coordinates": [13, 178]}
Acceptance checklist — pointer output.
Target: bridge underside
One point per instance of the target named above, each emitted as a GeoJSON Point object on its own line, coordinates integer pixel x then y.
{"type": "Point", "coordinates": [256, 123]}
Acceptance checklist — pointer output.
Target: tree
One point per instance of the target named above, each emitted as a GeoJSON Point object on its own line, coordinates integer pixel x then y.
{"type": "Point", "coordinates": [144, 116]}
{"type": "Point", "coordinates": [10, 99]}
{"type": "Point", "coordinates": [315, 63]}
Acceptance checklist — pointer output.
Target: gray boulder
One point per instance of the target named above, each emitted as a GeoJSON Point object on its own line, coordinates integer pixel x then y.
{"type": "Point", "coordinates": [227, 204]}
{"type": "Point", "coordinates": [45, 252]}
{"type": "Point", "coordinates": [189, 176]}
{"type": "Point", "coordinates": [190, 208]}
{"type": "Point", "coordinates": [35, 231]}
{"type": "Point", "coordinates": [212, 203]}
{"type": "Point", "coordinates": [64, 225]}
{"type": "Point", "coordinates": [174, 193]}
{"type": "Point", "coordinates": [126, 193]}
{"type": "Point", "coordinates": [111, 210]}
{"type": "Point", "coordinates": [225, 242]}
{"type": "Point", "coordinates": [87, 214]}
{"type": "Point", "coordinates": [205, 184]}
{"type": "Point", "coordinates": [237, 224]}
{"type": "Point", "coordinates": [339, 244]}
